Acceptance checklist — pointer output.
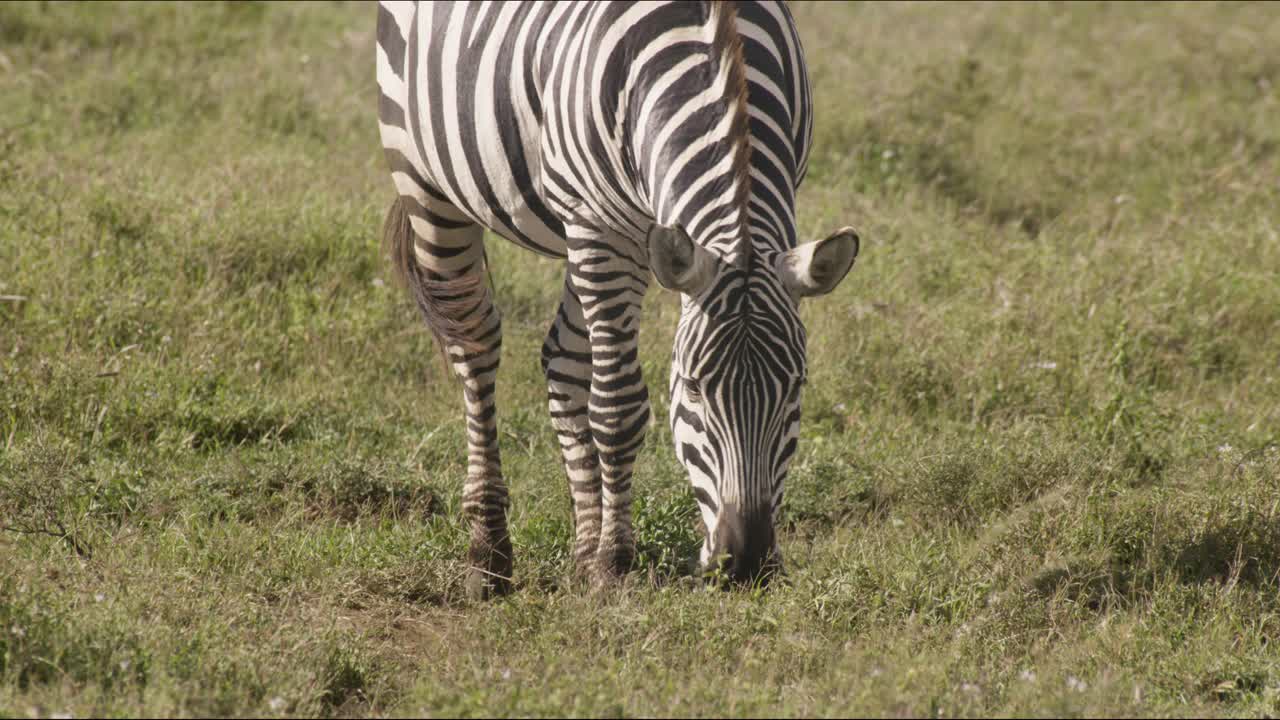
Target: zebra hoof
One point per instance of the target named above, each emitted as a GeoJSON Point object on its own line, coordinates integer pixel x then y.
{"type": "Point", "coordinates": [603, 580]}
{"type": "Point", "coordinates": [483, 585]}
{"type": "Point", "coordinates": [612, 566]}
{"type": "Point", "coordinates": [490, 573]}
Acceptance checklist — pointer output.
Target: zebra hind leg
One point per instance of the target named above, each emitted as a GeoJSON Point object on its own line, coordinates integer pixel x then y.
{"type": "Point", "coordinates": [439, 254]}
{"type": "Point", "coordinates": [566, 362]}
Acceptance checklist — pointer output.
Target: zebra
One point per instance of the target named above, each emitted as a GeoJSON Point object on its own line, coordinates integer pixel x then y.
{"type": "Point", "coordinates": [627, 138]}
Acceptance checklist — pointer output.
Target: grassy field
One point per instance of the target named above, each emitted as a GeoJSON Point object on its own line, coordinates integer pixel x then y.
{"type": "Point", "coordinates": [1040, 470]}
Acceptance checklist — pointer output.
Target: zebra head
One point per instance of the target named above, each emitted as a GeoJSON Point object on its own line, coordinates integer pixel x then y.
{"type": "Point", "coordinates": [737, 369]}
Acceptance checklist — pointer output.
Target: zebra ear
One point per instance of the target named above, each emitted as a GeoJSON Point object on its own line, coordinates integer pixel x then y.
{"type": "Point", "coordinates": [677, 262]}
{"type": "Point", "coordinates": [816, 268]}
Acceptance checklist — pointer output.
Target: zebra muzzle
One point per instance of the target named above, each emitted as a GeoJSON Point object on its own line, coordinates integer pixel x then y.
{"type": "Point", "coordinates": [743, 546]}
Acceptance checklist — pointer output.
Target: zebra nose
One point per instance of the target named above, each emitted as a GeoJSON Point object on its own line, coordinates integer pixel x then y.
{"type": "Point", "coordinates": [743, 545]}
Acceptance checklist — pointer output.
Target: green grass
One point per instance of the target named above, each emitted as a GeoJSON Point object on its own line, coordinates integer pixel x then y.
{"type": "Point", "coordinates": [1039, 474]}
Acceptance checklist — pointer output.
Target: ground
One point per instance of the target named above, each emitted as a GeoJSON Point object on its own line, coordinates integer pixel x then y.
{"type": "Point", "coordinates": [1039, 471]}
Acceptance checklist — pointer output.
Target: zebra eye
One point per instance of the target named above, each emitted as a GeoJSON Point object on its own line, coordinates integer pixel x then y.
{"type": "Point", "coordinates": [691, 392]}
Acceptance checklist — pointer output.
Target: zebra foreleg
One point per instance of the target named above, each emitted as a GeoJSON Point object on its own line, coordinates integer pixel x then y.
{"type": "Point", "coordinates": [610, 285]}
{"type": "Point", "coordinates": [566, 362]}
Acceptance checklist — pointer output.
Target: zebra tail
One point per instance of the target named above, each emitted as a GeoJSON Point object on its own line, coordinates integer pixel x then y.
{"type": "Point", "coordinates": [444, 304]}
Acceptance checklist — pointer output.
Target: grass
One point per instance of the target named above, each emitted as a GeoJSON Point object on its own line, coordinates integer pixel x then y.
{"type": "Point", "coordinates": [1039, 472]}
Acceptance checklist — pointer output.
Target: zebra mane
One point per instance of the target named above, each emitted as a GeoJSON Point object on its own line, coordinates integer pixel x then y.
{"type": "Point", "coordinates": [724, 16]}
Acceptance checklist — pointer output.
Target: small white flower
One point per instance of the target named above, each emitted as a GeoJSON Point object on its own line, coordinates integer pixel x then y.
{"type": "Point", "coordinates": [18, 631]}
{"type": "Point", "coordinates": [506, 674]}
{"type": "Point", "coordinates": [1027, 676]}
{"type": "Point", "coordinates": [125, 665]}
{"type": "Point", "coordinates": [276, 704]}
{"type": "Point", "coordinates": [378, 282]}
{"type": "Point", "coordinates": [970, 688]}
{"type": "Point", "coordinates": [99, 597]}
{"type": "Point", "coordinates": [1075, 683]}
{"type": "Point", "coordinates": [840, 407]}
{"type": "Point", "coordinates": [887, 154]}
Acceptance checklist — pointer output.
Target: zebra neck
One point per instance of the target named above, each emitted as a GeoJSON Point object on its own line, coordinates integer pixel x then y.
{"type": "Point", "coordinates": [691, 137]}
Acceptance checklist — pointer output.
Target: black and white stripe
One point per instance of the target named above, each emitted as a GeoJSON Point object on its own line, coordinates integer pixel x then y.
{"type": "Point", "coordinates": [627, 138]}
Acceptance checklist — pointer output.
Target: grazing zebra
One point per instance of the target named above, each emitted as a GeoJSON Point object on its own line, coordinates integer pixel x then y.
{"type": "Point", "coordinates": [627, 138]}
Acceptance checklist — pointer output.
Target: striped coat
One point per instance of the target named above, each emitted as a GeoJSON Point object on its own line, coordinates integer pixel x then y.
{"type": "Point", "coordinates": [633, 140]}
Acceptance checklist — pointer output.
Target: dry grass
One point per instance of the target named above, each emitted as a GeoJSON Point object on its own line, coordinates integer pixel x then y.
{"type": "Point", "coordinates": [1038, 473]}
